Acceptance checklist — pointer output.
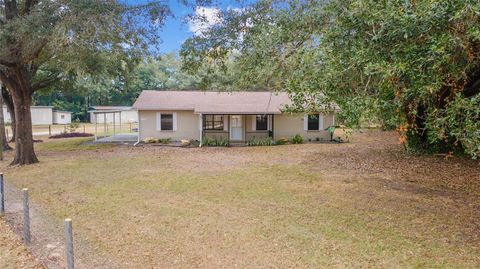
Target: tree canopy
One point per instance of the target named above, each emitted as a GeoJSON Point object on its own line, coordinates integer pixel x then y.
{"type": "Point", "coordinates": [414, 65]}
{"type": "Point", "coordinates": [43, 42]}
{"type": "Point", "coordinates": [78, 94]}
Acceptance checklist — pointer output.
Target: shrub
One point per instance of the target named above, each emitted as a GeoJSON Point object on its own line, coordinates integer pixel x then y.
{"type": "Point", "coordinates": [73, 126]}
{"type": "Point", "coordinates": [69, 135]}
{"type": "Point", "coordinates": [166, 140]}
{"type": "Point", "coordinates": [282, 141]}
{"type": "Point", "coordinates": [297, 139]}
{"type": "Point", "coordinates": [215, 142]}
{"type": "Point", "coordinates": [264, 141]}
{"type": "Point", "coordinates": [150, 140]}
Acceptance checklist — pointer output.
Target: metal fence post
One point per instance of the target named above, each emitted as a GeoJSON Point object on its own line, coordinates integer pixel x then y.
{"type": "Point", "coordinates": [26, 218]}
{"type": "Point", "coordinates": [2, 195]}
{"type": "Point", "coordinates": [69, 243]}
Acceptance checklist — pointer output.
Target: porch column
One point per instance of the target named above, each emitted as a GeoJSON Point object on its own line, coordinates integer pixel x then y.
{"type": "Point", "coordinates": [273, 134]}
{"type": "Point", "coordinates": [228, 127]}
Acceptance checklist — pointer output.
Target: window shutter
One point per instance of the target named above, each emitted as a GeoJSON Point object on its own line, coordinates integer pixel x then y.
{"type": "Point", "coordinates": [320, 123]}
{"type": "Point", "coordinates": [305, 123]}
{"type": "Point", "coordinates": [254, 122]}
{"type": "Point", "coordinates": [174, 116]}
{"type": "Point", "coordinates": [159, 121]}
{"type": "Point", "coordinates": [225, 122]}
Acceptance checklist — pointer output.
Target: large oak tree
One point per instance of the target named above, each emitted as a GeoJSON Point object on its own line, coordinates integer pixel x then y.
{"type": "Point", "coordinates": [44, 41]}
{"type": "Point", "coordinates": [415, 65]}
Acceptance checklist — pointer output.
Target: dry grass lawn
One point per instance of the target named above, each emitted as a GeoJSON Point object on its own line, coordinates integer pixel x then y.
{"type": "Point", "coordinates": [359, 204]}
{"type": "Point", "coordinates": [13, 254]}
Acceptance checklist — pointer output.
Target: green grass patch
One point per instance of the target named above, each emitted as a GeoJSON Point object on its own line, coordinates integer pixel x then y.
{"type": "Point", "coordinates": [71, 144]}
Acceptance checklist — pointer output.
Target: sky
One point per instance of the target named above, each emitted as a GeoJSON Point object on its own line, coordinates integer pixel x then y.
{"type": "Point", "coordinates": [177, 28]}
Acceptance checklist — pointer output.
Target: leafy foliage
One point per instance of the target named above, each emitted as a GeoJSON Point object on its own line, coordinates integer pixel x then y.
{"type": "Point", "coordinates": [297, 139]}
{"type": "Point", "coordinates": [414, 65]}
{"type": "Point", "coordinates": [78, 94]}
{"type": "Point", "coordinates": [263, 141]}
{"type": "Point", "coordinates": [215, 142]}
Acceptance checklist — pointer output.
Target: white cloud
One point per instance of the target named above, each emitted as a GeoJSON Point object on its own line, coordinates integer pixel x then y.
{"type": "Point", "coordinates": [205, 18]}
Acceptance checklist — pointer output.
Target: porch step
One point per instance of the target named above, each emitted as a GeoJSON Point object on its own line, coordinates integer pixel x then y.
{"type": "Point", "coordinates": [237, 144]}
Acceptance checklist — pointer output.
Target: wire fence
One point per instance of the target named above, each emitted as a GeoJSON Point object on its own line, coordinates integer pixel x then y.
{"type": "Point", "coordinates": [51, 240]}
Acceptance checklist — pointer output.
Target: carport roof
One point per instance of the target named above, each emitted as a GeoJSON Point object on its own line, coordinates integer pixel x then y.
{"type": "Point", "coordinates": [213, 102]}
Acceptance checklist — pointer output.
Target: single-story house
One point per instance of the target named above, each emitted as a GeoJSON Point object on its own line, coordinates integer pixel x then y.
{"type": "Point", "coordinates": [107, 114]}
{"type": "Point", "coordinates": [236, 116]}
{"type": "Point", "coordinates": [41, 115]}
{"type": "Point", "coordinates": [62, 117]}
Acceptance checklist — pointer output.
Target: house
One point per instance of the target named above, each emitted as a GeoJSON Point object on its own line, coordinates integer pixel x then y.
{"type": "Point", "coordinates": [101, 114]}
{"type": "Point", "coordinates": [62, 117]}
{"type": "Point", "coordinates": [236, 116]}
{"type": "Point", "coordinates": [41, 115]}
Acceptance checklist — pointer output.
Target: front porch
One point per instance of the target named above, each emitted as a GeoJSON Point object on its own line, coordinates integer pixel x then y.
{"type": "Point", "coordinates": [236, 128]}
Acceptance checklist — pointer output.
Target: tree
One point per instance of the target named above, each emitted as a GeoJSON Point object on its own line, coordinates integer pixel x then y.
{"type": "Point", "coordinates": [77, 94]}
{"type": "Point", "coordinates": [412, 64]}
{"type": "Point", "coordinates": [42, 42]}
{"type": "Point", "coordinates": [7, 99]}
{"type": "Point", "coordinates": [3, 136]}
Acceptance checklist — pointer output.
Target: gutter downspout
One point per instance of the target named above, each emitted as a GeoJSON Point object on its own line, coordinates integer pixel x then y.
{"type": "Point", "coordinates": [201, 130]}
{"type": "Point", "coordinates": [138, 137]}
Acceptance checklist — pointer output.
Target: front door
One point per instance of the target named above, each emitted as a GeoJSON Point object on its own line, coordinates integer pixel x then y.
{"type": "Point", "coordinates": [236, 127]}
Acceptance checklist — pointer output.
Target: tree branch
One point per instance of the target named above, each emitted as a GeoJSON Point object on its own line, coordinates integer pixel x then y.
{"type": "Point", "coordinates": [44, 82]}
{"type": "Point", "coordinates": [28, 5]}
{"type": "Point", "coordinates": [11, 10]}
{"type": "Point", "coordinates": [7, 64]}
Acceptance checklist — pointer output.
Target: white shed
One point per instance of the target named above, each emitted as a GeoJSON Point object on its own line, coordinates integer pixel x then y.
{"type": "Point", "coordinates": [41, 115]}
{"type": "Point", "coordinates": [62, 117]}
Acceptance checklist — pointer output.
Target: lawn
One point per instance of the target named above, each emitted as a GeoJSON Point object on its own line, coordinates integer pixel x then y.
{"type": "Point", "coordinates": [359, 204]}
{"type": "Point", "coordinates": [13, 254]}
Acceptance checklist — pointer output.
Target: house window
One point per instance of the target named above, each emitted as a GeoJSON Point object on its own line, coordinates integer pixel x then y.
{"type": "Point", "coordinates": [262, 123]}
{"type": "Point", "coordinates": [213, 122]}
{"type": "Point", "coordinates": [62, 117]}
{"type": "Point", "coordinates": [313, 122]}
{"type": "Point", "coordinates": [166, 122]}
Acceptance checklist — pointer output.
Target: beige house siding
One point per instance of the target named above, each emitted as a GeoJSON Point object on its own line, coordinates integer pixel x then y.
{"type": "Point", "coordinates": [188, 126]}
{"type": "Point", "coordinates": [290, 125]}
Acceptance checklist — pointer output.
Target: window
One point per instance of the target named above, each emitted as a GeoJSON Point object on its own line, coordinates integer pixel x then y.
{"type": "Point", "coordinates": [62, 117]}
{"type": "Point", "coordinates": [313, 122]}
{"type": "Point", "coordinates": [166, 122]}
{"type": "Point", "coordinates": [262, 123]}
{"type": "Point", "coordinates": [213, 122]}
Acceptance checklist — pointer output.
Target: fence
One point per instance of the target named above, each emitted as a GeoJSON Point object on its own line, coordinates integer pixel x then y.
{"type": "Point", "coordinates": [51, 240]}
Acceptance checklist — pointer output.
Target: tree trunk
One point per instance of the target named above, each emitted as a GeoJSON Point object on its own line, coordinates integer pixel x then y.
{"type": "Point", "coordinates": [24, 149]}
{"type": "Point", "coordinates": [7, 99]}
{"type": "Point", "coordinates": [3, 136]}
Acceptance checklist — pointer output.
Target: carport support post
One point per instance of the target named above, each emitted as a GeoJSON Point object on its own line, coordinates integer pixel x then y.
{"type": "Point", "coordinates": [2, 196]}
{"type": "Point", "coordinates": [95, 126]}
{"type": "Point", "coordinates": [69, 244]}
{"type": "Point", "coordinates": [26, 218]}
{"type": "Point", "coordinates": [114, 114]}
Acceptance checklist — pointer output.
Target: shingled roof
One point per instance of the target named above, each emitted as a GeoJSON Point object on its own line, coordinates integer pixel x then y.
{"type": "Point", "coordinates": [213, 102]}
